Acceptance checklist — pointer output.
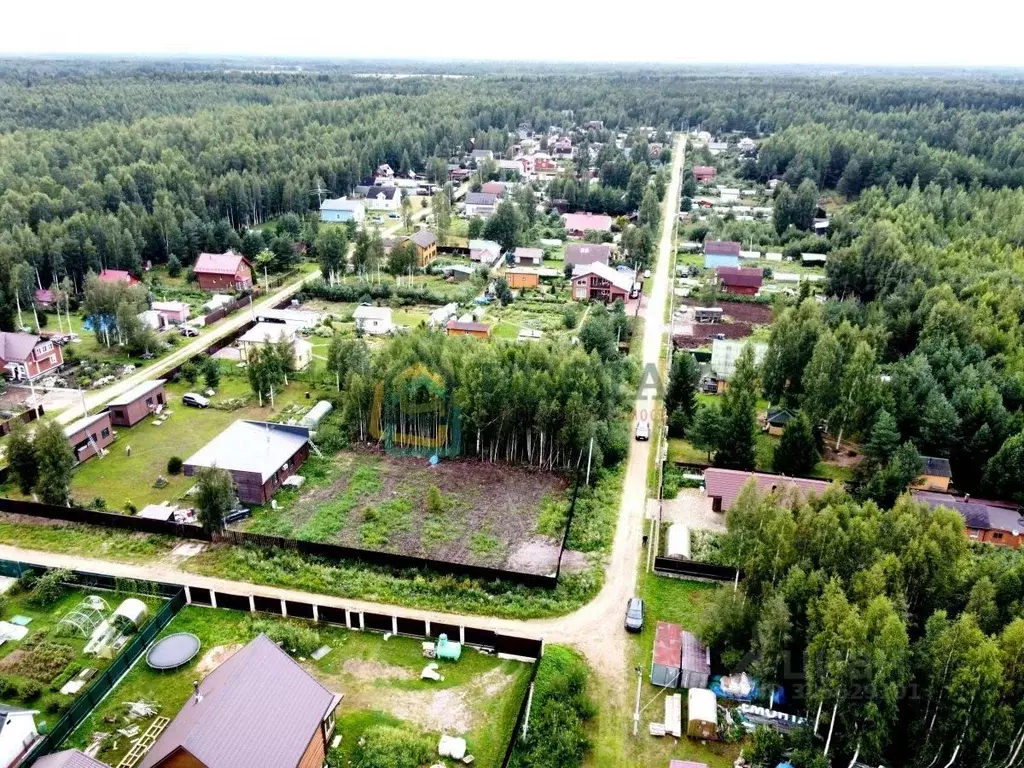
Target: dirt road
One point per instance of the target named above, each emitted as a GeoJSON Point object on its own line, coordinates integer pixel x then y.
{"type": "Point", "coordinates": [596, 628]}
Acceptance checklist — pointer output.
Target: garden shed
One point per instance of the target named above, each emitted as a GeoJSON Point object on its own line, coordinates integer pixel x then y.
{"type": "Point", "coordinates": [701, 714]}
{"type": "Point", "coordinates": [668, 647]}
{"type": "Point", "coordinates": [695, 666]}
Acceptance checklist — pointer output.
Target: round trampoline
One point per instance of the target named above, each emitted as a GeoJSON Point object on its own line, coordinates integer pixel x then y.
{"type": "Point", "coordinates": [173, 651]}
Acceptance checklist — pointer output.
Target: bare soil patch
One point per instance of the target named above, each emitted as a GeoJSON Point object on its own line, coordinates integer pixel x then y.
{"type": "Point", "coordinates": [489, 510]}
{"type": "Point", "coordinates": [539, 554]}
{"type": "Point", "coordinates": [216, 656]}
{"type": "Point", "coordinates": [369, 671]}
{"type": "Point", "coordinates": [449, 710]}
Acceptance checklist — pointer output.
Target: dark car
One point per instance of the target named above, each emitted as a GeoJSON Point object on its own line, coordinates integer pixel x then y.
{"type": "Point", "coordinates": [635, 615]}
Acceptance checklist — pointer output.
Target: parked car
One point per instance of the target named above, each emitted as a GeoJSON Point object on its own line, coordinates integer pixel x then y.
{"type": "Point", "coordinates": [196, 401]}
{"type": "Point", "coordinates": [643, 430]}
{"type": "Point", "coordinates": [239, 513]}
{"type": "Point", "coordinates": [635, 615]}
{"type": "Point", "coordinates": [188, 330]}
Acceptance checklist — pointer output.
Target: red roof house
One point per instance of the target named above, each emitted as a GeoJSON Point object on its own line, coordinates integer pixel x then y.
{"type": "Point", "coordinates": [223, 272]}
{"type": "Point", "coordinates": [117, 276]}
{"type": "Point", "coordinates": [496, 188]}
{"type": "Point", "coordinates": [703, 173]}
{"type": "Point", "coordinates": [578, 223]}
{"type": "Point", "coordinates": [741, 280]}
{"type": "Point", "coordinates": [25, 356]}
{"type": "Point", "coordinates": [724, 485]}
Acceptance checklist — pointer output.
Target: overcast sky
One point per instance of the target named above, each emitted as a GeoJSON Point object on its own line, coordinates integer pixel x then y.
{"type": "Point", "coordinates": [899, 32]}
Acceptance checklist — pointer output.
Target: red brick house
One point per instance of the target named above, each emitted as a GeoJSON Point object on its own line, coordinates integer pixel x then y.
{"type": "Point", "coordinates": [599, 282]}
{"type": "Point", "coordinates": [25, 356]}
{"type": "Point", "coordinates": [704, 173]}
{"type": "Point", "coordinates": [223, 272]}
{"type": "Point", "coordinates": [744, 281]}
{"type": "Point", "coordinates": [117, 276]}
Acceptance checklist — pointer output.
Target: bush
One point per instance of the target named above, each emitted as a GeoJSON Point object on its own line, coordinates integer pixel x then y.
{"type": "Point", "coordinates": [56, 703]}
{"type": "Point", "coordinates": [3, 605]}
{"type": "Point", "coordinates": [296, 640]}
{"type": "Point", "coordinates": [385, 746]}
{"type": "Point", "coordinates": [50, 587]}
{"type": "Point", "coordinates": [98, 503]}
{"type": "Point", "coordinates": [174, 465]}
{"type": "Point", "coordinates": [173, 266]}
{"type": "Point", "coordinates": [561, 707]}
{"type": "Point", "coordinates": [27, 580]}
{"type": "Point", "coordinates": [130, 508]}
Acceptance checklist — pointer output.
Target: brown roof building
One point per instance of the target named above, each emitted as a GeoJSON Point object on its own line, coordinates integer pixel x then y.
{"type": "Point", "coordinates": [468, 328]}
{"type": "Point", "coordinates": [258, 708]}
{"type": "Point", "coordinates": [426, 246]}
{"type": "Point", "coordinates": [137, 403]}
{"type": "Point", "coordinates": [745, 281]}
{"type": "Point", "coordinates": [724, 485]}
{"type": "Point", "coordinates": [584, 254]}
{"type": "Point", "coordinates": [223, 272]}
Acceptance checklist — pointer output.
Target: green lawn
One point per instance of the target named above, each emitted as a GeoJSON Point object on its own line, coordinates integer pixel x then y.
{"type": "Point", "coordinates": [118, 477]}
{"type": "Point", "coordinates": [85, 540]}
{"type": "Point", "coordinates": [682, 451]}
{"type": "Point", "coordinates": [379, 680]}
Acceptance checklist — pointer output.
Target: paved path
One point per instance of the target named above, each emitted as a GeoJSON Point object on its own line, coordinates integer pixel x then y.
{"type": "Point", "coordinates": [596, 628]}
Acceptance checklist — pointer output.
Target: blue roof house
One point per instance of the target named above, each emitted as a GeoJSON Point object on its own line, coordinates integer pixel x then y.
{"type": "Point", "coordinates": [714, 260]}
{"type": "Point", "coordinates": [342, 209]}
{"type": "Point", "coordinates": [721, 253]}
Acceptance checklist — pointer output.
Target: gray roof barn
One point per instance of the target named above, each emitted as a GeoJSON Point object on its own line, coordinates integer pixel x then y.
{"type": "Point", "coordinates": [260, 707]}
{"type": "Point", "coordinates": [251, 446]}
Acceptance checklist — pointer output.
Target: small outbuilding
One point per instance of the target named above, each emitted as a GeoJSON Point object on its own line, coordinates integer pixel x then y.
{"type": "Point", "coordinates": [668, 649]}
{"type": "Point", "coordinates": [132, 612]}
{"type": "Point", "coordinates": [90, 435]}
{"type": "Point", "coordinates": [695, 662]}
{"type": "Point", "coordinates": [701, 714]}
{"type": "Point", "coordinates": [137, 403]}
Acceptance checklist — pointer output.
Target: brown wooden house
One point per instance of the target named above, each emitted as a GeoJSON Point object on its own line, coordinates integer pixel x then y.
{"type": "Point", "coordinates": [258, 708]}
{"type": "Point", "coordinates": [90, 435]}
{"type": "Point", "coordinates": [137, 403]}
{"type": "Point", "coordinates": [258, 455]}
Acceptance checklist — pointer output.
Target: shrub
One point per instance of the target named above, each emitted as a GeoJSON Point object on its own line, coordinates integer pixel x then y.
{"type": "Point", "coordinates": [190, 372]}
{"type": "Point", "coordinates": [385, 746]}
{"type": "Point", "coordinates": [296, 640]}
{"type": "Point", "coordinates": [50, 587]}
{"type": "Point", "coordinates": [435, 501]}
{"type": "Point", "coordinates": [3, 605]}
{"type": "Point", "coordinates": [56, 703]}
{"type": "Point", "coordinates": [98, 503]}
{"type": "Point", "coordinates": [27, 580]}
{"type": "Point", "coordinates": [174, 465]}
{"type": "Point", "coordinates": [173, 266]}
{"type": "Point", "coordinates": [561, 708]}
{"type": "Point", "coordinates": [130, 508]}
{"type": "Point", "coordinates": [27, 690]}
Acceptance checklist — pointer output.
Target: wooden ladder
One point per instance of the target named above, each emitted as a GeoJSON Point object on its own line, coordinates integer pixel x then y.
{"type": "Point", "coordinates": [142, 744]}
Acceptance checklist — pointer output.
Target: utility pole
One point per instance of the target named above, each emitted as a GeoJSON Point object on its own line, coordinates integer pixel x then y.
{"type": "Point", "coordinates": [636, 708]}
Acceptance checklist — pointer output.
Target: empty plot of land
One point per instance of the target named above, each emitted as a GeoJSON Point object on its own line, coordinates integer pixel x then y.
{"type": "Point", "coordinates": [481, 513]}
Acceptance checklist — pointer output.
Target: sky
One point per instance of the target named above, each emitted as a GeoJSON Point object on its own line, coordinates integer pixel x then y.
{"type": "Point", "coordinates": [984, 33]}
